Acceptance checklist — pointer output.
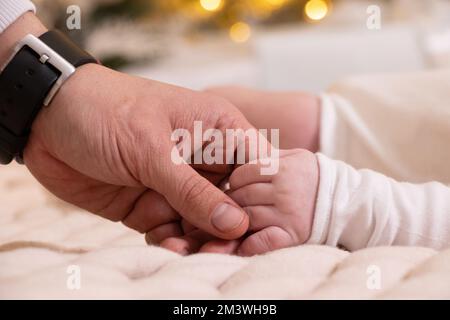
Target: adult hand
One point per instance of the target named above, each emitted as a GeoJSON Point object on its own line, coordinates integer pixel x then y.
{"type": "Point", "coordinates": [104, 144]}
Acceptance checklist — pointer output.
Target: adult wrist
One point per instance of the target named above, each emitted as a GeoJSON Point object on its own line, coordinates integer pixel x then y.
{"type": "Point", "coordinates": [37, 68]}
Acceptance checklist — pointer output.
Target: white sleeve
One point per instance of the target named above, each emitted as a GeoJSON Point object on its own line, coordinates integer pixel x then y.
{"type": "Point", "coordinates": [363, 208]}
{"type": "Point", "coordinates": [10, 10]}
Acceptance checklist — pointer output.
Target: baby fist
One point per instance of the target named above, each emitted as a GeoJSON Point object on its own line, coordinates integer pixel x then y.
{"type": "Point", "coordinates": [280, 206]}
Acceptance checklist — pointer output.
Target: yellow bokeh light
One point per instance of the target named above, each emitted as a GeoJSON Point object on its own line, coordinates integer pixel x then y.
{"type": "Point", "coordinates": [262, 9]}
{"type": "Point", "coordinates": [316, 9]}
{"type": "Point", "coordinates": [240, 32]}
{"type": "Point", "coordinates": [212, 5]}
{"type": "Point", "coordinates": [276, 3]}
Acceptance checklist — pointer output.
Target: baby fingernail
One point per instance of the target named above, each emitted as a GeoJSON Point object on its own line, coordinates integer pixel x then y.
{"type": "Point", "coordinates": [227, 217]}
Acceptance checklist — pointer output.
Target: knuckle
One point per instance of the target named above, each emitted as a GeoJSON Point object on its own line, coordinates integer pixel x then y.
{"type": "Point", "coordinates": [265, 240]}
{"type": "Point", "coordinates": [247, 194]}
{"type": "Point", "coordinates": [132, 223]}
{"type": "Point", "coordinates": [193, 188]}
{"type": "Point", "coordinates": [239, 196]}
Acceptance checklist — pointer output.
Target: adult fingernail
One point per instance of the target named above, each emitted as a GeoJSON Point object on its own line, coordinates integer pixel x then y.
{"type": "Point", "coordinates": [227, 217]}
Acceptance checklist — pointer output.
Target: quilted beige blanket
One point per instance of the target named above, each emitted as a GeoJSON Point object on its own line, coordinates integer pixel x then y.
{"type": "Point", "coordinates": [45, 243]}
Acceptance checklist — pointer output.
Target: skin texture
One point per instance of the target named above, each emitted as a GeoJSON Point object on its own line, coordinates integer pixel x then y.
{"type": "Point", "coordinates": [286, 219]}
{"type": "Point", "coordinates": [281, 206]}
{"type": "Point", "coordinates": [103, 151]}
{"type": "Point", "coordinates": [104, 145]}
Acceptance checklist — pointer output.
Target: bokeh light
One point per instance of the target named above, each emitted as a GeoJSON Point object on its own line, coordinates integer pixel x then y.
{"type": "Point", "coordinates": [262, 9]}
{"type": "Point", "coordinates": [316, 9]}
{"type": "Point", "coordinates": [277, 3]}
{"type": "Point", "coordinates": [212, 5]}
{"type": "Point", "coordinates": [240, 32]}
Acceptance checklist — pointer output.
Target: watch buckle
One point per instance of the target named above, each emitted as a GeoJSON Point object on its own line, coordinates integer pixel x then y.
{"type": "Point", "coordinates": [46, 55]}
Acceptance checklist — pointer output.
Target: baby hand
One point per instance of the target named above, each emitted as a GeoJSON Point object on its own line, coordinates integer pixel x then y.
{"type": "Point", "coordinates": [281, 206]}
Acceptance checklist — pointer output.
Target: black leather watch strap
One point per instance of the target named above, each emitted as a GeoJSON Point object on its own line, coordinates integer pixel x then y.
{"type": "Point", "coordinates": [66, 48]}
{"type": "Point", "coordinates": [24, 84]}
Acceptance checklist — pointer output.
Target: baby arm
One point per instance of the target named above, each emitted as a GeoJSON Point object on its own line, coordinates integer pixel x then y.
{"type": "Point", "coordinates": [398, 125]}
{"type": "Point", "coordinates": [363, 208]}
{"type": "Point", "coordinates": [347, 207]}
{"type": "Point", "coordinates": [295, 114]}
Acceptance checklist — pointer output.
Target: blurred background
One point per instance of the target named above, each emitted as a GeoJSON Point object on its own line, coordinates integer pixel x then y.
{"type": "Point", "coordinates": [270, 44]}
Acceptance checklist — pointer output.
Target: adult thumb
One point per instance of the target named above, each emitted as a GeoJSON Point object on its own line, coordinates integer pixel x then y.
{"type": "Point", "coordinates": [202, 204]}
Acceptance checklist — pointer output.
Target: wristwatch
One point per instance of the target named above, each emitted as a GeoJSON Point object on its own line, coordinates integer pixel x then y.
{"type": "Point", "coordinates": [29, 81]}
